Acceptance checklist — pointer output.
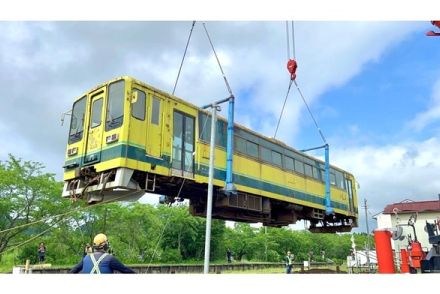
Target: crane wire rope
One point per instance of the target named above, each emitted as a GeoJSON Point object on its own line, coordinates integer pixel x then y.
{"type": "Point", "coordinates": [184, 54]}
{"type": "Point", "coordinates": [282, 109]}
{"type": "Point", "coordinates": [293, 40]}
{"type": "Point", "coordinates": [164, 227]}
{"type": "Point", "coordinates": [310, 112]}
{"type": "Point", "coordinates": [52, 226]}
{"type": "Point", "coordinates": [77, 209]}
{"type": "Point", "coordinates": [218, 61]}
{"type": "Point", "coordinates": [200, 135]}
{"type": "Point", "coordinates": [293, 80]}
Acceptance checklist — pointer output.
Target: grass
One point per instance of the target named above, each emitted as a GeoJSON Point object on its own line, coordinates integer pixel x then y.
{"type": "Point", "coordinates": [7, 262]}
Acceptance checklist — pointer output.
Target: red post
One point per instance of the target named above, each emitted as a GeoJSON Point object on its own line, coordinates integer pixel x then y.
{"type": "Point", "coordinates": [404, 264]}
{"type": "Point", "coordinates": [417, 254]}
{"type": "Point", "coordinates": [384, 252]}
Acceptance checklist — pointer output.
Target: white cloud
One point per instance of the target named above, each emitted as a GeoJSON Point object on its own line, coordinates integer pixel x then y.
{"type": "Point", "coordinates": [432, 114]}
{"type": "Point", "coordinates": [392, 173]}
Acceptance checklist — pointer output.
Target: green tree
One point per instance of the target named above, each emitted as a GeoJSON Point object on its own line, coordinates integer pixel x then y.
{"type": "Point", "coordinates": [27, 194]}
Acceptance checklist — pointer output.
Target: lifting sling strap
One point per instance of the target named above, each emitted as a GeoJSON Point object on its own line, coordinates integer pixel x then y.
{"type": "Point", "coordinates": [95, 269]}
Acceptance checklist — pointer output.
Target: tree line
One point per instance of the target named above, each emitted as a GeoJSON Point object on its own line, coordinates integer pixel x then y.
{"type": "Point", "coordinates": [32, 211]}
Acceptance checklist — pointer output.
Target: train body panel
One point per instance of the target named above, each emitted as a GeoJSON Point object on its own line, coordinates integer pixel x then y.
{"type": "Point", "coordinates": [128, 137]}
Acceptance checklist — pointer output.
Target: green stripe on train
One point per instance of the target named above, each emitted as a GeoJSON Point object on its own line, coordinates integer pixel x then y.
{"type": "Point", "coordinates": [137, 153]}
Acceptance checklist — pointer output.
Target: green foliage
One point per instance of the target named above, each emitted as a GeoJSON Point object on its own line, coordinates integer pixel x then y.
{"type": "Point", "coordinates": [138, 233]}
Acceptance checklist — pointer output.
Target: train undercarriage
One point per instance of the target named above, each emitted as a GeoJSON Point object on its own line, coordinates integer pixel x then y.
{"type": "Point", "coordinates": [123, 184]}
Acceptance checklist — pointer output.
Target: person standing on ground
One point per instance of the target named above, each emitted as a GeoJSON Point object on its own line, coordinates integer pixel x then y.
{"type": "Point", "coordinates": [41, 252]}
{"type": "Point", "coordinates": [100, 262]}
{"type": "Point", "coordinates": [229, 255]}
{"type": "Point", "coordinates": [289, 262]}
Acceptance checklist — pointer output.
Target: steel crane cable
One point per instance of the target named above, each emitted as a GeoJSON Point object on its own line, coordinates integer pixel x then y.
{"type": "Point", "coordinates": [66, 213]}
{"type": "Point", "coordinates": [282, 109]}
{"type": "Point", "coordinates": [184, 54]}
{"type": "Point", "coordinates": [293, 75]}
{"type": "Point", "coordinates": [52, 226]}
{"type": "Point", "coordinates": [164, 227]}
{"type": "Point", "coordinates": [310, 112]}
{"type": "Point", "coordinates": [218, 61]}
{"type": "Point", "coordinates": [288, 40]}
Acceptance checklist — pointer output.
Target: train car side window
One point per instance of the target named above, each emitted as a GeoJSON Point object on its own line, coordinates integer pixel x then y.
{"type": "Point", "coordinates": [155, 111]}
{"type": "Point", "coordinates": [115, 105]}
{"type": "Point", "coordinates": [252, 149]}
{"type": "Point", "coordinates": [276, 158]}
{"type": "Point", "coordinates": [240, 145]}
{"type": "Point", "coordinates": [316, 173]}
{"type": "Point", "coordinates": [308, 170]}
{"type": "Point", "coordinates": [332, 178]}
{"type": "Point", "coordinates": [288, 163]}
{"type": "Point", "coordinates": [77, 120]}
{"type": "Point", "coordinates": [340, 183]}
{"type": "Point", "coordinates": [204, 127]}
{"type": "Point", "coordinates": [96, 113]}
{"type": "Point", "coordinates": [221, 133]}
{"type": "Point", "coordinates": [138, 108]}
{"type": "Point", "coordinates": [299, 166]}
{"type": "Point", "coordinates": [265, 154]}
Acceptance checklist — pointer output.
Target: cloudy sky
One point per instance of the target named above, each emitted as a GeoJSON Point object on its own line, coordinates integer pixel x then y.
{"type": "Point", "coordinates": [373, 87]}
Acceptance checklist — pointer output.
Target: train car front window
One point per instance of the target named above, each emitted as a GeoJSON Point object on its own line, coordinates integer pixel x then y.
{"type": "Point", "coordinates": [115, 106]}
{"type": "Point", "coordinates": [77, 120]}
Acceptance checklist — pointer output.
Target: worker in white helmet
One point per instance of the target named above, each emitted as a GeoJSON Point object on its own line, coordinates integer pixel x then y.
{"type": "Point", "coordinates": [100, 262]}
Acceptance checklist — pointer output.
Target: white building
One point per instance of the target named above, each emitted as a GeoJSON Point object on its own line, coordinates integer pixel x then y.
{"type": "Point", "coordinates": [399, 214]}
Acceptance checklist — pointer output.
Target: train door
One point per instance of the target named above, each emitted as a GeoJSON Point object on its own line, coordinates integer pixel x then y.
{"type": "Point", "coordinates": [94, 134]}
{"type": "Point", "coordinates": [156, 111]}
{"type": "Point", "coordinates": [350, 195]}
{"type": "Point", "coordinates": [183, 144]}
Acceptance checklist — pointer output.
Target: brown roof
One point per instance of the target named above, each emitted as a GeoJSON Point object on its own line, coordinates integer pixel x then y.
{"type": "Point", "coordinates": [414, 206]}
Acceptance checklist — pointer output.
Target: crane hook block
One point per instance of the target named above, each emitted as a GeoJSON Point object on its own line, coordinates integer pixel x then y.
{"type": "Point", "coordinates": [432, 33]}
{"type": "Point", "coordinates": [291, 67]}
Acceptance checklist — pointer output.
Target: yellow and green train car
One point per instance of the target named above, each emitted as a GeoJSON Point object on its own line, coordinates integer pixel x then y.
{"type": "Point", "coordinates": [127, 138]}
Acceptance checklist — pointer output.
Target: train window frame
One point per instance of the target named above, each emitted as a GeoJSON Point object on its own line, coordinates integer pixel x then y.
{"type": "Point", "coordinates": [332, 178]}
{"type": "Point", "coordinates": [77, 136]}
{"type": "Point", "coordinates": [265, 154]}
{"type": "Point", "coordinates": [113, 122]}
{"type": "Point", "coordinates": [340, 182]}
{"type": "Point", "coordinates": [135, 106]}
{"type": "Point", "coordinates": [221, 135]}
{"type": "Point", "coordinates": [277, 158]}
{"type": "Point", "coordinates": [240, 145]}
{"type": "Point", "coordinates": [308, 170]}
{"type": "Point", "coordinates": [99, 113]}
{"type": "Point", "coordinates": [316, 174]}
{"type": "Point", "coordinates": [155, 110]}
{"type": "Point", "coordinates": [299, 166]}
{"type": "Point", "coordinates": [290, 167]}
{"type": "Point", "coordinates": [251, 152]}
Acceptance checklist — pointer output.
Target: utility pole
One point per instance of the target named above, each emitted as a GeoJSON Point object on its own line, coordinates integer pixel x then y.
{"type": "Point", "coordinates": [368, 234]}
{"type": "Point", "coordinates": [210, 188]}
